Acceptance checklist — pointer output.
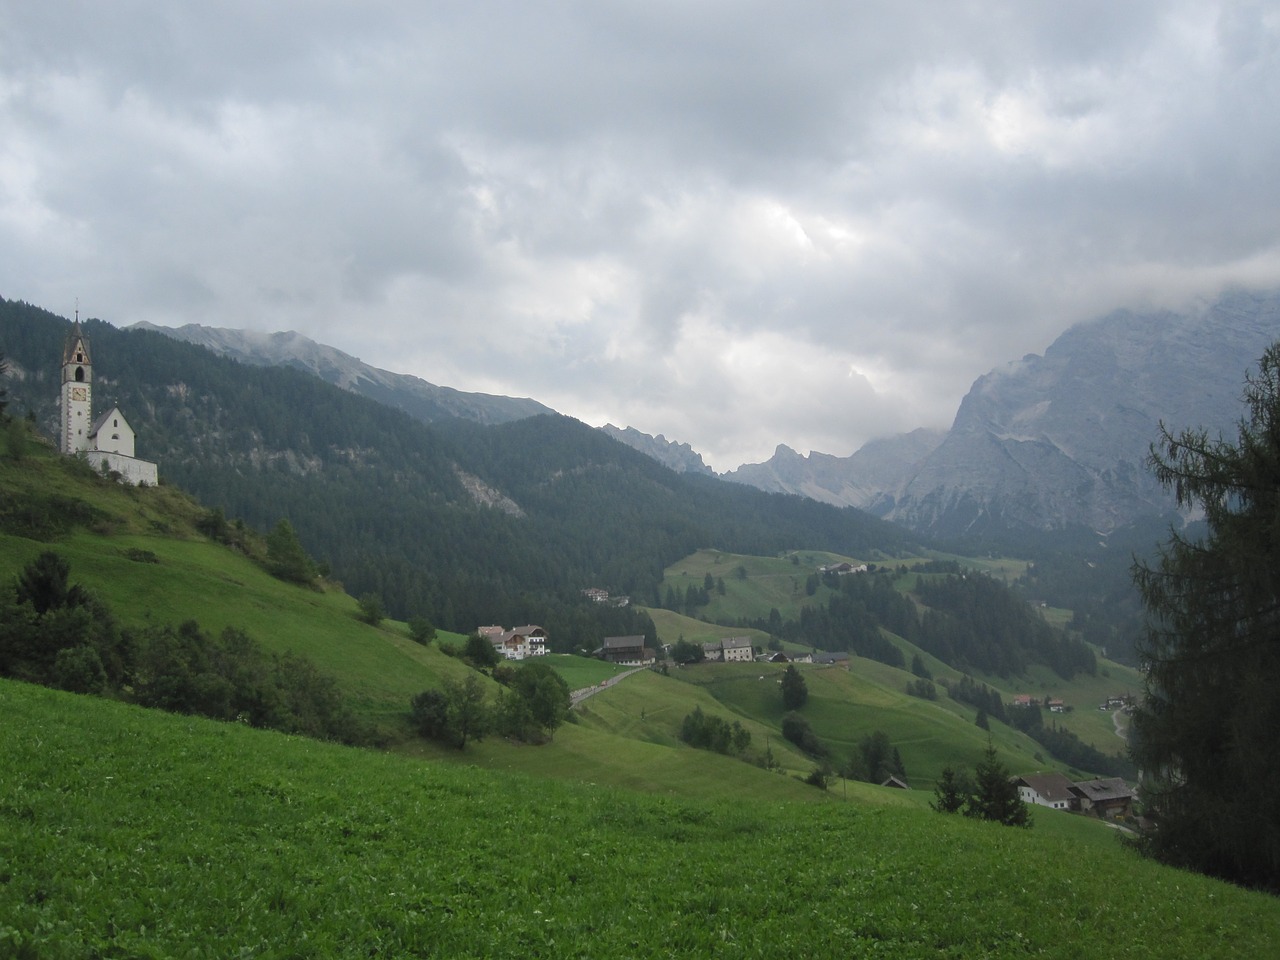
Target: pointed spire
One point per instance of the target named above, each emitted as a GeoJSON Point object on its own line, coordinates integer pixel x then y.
{"type": "Point", "coordinates": [76, 348]}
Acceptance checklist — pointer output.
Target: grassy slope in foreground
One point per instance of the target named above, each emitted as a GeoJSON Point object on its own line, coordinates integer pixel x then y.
{"type": "Point", "coordinates": [133, 833]}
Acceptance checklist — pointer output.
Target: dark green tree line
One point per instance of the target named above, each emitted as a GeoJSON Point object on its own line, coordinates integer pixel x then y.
{"type": "Point", "coordinates": [1205, 732]}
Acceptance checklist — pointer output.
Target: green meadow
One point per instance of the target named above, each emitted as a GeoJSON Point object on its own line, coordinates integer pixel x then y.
{"type": "Point", "coordinates": [754, 585]}
{"type": "Point", "coordinates": [131, 833]}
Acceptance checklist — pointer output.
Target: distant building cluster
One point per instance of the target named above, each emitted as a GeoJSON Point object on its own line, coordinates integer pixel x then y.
{"type": "Point", "coordinates": [1109, 798]}
{"type": "Point", "coordinates": [1058, 705]}
{"type": "Point", "coordinates": [843, 568]}
{"type": "Point", "coordinates": [596, 595]}
{"type": "Point", "coordinates": [519, 643]}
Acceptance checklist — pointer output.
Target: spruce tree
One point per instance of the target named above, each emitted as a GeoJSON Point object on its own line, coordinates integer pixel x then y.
{"type": "Point", "coordinates": [286, 559]}
{"type": "Point", "coordinates": [795, 693]}
{"type": "Point", "coordinates": [952, 792]}
{"type": "Point", "coordinates": [1205, 733]}
{"type": "Point", "coordinates": [995, 796]}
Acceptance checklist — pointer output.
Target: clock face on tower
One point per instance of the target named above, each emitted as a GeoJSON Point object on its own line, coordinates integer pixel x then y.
{"type": "Point", "coordinates": [78, 393]}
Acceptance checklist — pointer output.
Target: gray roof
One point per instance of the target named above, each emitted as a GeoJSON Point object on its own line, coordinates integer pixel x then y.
{"type": "Point", "coordinates": [97, 424]}
{"type": "Point", "coordinates": [1112, 788]}
{"type": "Point", "coordinates": [615, 643]}
{"type": "Point", "coordinates": [1054, 787]}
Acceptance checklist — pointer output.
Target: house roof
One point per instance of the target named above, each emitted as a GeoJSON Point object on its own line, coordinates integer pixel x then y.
{"type": "Point", "coordinates": [735, 643]}
{"type": "Point", "coordinates": [1052, 786]}
{"type": "Point", "coordinates": [836, 656]}
{"type": "Point", "coordinates": [1111, 788]}
{"type": "Point", "coordinates": [619, 643]}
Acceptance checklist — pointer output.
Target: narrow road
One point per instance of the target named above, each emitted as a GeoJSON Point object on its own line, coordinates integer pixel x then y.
{"type": "Point", "coordinates": [577, 696]}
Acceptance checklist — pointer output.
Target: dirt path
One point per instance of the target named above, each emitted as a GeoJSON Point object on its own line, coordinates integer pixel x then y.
{"type": "Point", "coordinates": [1121, 720]}
{"type": "Point", "coordinates": [577, 696]}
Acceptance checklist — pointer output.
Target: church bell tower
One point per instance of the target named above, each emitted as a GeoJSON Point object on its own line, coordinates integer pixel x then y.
{"type": "Point", "coordinates": [77, 391]}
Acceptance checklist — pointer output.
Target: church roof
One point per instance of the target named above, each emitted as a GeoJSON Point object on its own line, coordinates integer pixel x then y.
{"type": "Point", "coordinates": [97, 424]}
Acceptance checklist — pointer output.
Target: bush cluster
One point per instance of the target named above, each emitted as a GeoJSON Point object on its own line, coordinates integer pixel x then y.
{"type": "Point", "coordinates": [56, 633]}
{"type": "Point", "coordinates": [709, 732]}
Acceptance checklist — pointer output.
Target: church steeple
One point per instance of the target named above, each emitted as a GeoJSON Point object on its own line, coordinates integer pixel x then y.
{"type": "Point", "coordinates": [77, 390]}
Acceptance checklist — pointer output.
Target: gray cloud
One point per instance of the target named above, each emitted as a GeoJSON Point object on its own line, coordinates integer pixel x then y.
{"type": "Point", "coordinates": [734, 224]}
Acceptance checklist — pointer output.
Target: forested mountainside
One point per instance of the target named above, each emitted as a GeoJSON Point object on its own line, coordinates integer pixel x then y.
{"type": "Point", "coordinates": [458, 522]}
{"type": "Point", "coordinates": [415, 396]}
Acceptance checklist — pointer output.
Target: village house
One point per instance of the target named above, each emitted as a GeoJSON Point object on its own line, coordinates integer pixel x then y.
{"type": "Point", "coordinates": [1108, 799]}
{"type": "Point", "coordinates": [517, 644]}
{"type": "Point", "coordinates": [627, 651]}
{"type": "Point", "coordinates": [843, 569]}
{"type": "Point", "coordinates": [730, 650]}
{"type": "Point", "coordinates": [1051, 790]}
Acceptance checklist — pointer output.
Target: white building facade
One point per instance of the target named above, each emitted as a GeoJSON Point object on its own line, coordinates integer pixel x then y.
{"type": "Point", "coordinates": [108, 442]}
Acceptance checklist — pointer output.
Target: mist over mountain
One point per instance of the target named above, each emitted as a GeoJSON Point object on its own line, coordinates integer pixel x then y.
{"type": "Point", "coordinates": [415, 396]}
{"type": "Point", "coordinates": [1056, 441]}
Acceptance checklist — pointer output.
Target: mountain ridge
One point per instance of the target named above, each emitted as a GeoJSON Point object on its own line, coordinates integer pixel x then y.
{"type": "Point", "coordinates": [1055, 441]}
{"type": "Point", "coordinates": [419, 398]}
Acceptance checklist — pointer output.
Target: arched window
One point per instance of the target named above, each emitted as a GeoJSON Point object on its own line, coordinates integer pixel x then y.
{"type": "Point", "coordinates": [79, 374]}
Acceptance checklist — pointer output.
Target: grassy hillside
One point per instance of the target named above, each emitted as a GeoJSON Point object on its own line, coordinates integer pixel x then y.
{"type": "Point", "coordinates": [754, 585]}
{"type": "Point", "coordinates": [190, 577]}
{"type": "Point", "coordinates": [378, 669]}
{"type": "Point", "coordinates": [127, 832]}
{"type": "Point", "coordinates": [628, 736]}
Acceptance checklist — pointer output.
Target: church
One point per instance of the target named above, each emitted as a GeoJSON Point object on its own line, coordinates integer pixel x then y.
{"type": "Point", "coordinates": [107, 442]}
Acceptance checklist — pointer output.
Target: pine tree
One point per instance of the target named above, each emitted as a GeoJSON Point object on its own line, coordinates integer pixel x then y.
{"type": "Point", "coordinates": [795, 693]}
{"type": "Point", "coordinates": [995, 796]}
{"type": "Point", "coordinates": [285, 557]}
{"type": "Point", "coordinates": [952, 792]}
{"type": "Point", "coordinates": [1205, 734]}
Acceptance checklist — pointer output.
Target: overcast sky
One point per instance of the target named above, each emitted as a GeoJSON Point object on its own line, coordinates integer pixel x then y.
{"type": "Point", "coordinates": [737, 224]}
